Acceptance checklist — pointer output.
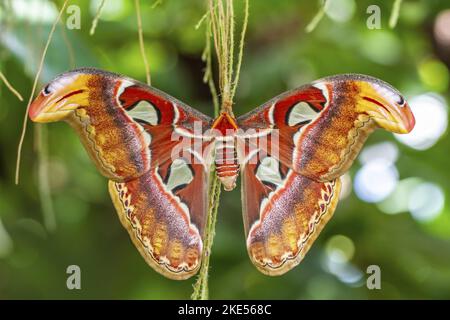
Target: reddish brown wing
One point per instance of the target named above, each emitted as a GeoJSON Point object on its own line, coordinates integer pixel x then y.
{"type": "Point", "coordinates": [293, 151]}
{"type": "Point", "coordinates": [165, 209]}
{"type": "Point", "coordinates": [283, 211]}
{"type": "Point", "coordinates": [323, 126]}
{"type": "Point", "coordinates": [279, 122]}
{"type": "Point", "coordinates": [143, 141]}
{"type": "Point", "coordinates": [164, 212]}
{"type": "Point", "coordinates": [287, 150]}
{"type": "Point", "coordinates": [169, 122]}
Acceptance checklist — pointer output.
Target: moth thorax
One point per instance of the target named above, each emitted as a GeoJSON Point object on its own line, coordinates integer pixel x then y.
{"type": "Point", "coordinates": [227, 165]}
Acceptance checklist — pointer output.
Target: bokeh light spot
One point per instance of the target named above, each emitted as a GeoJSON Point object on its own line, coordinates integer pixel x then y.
{"type": "Point", "coordinates": [340, 10]}
{"type": "Point", "coordinates": [346, 186]}
{"type": "Point", "coordinates": [430, 112]}
{"type": "Point", "coordinates": [340, 248]}
{"type": "Point", "coordinates": [434, 75]}
{"type": "Point", "coordinates": [34, 10]}
{"type": "Point", "coordinates": [339, 251]}
{"type": "Point", "coordinates": [426, 202]}
{"type": "Point", "coordinates": [442, 28]}
{"type": "Point", "coordinates": [6, 244]}
{"type": "Point", "coordinates": [386, 151]}
{"type": "Point", "coordinates": [376, 180]}
{"type": "Point", "coordinates": [397, 201]}
{"type": "Point", "coordinates": [382, 47]}
{"type": "Point", "coordinates": [112, 10]}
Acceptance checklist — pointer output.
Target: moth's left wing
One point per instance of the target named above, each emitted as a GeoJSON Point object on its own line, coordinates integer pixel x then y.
{"type": "Point", "coordinates": [294, 148]}
{"type": "Point", "coordinates": [283, 212]}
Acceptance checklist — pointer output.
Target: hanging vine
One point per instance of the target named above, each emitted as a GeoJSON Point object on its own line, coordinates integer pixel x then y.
{"type": "Point", "coordinates": [220, 25]}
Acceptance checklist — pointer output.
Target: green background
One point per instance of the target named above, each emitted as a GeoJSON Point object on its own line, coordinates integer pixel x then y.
{"type": "Point", "coordinates": [413, 254]}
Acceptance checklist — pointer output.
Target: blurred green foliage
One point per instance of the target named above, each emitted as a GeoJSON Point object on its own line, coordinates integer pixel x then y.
{"type": "Point", "coordinates": [414, 256]}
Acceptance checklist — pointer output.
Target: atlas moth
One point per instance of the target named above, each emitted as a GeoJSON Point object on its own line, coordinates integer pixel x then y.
{"type": "Point", "coordinates": [290, 183]}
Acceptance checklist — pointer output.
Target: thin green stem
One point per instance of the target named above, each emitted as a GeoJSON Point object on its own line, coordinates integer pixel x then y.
{"type": "Point", "coordinates": [220, 26]}
{"type": "Point", "coordinates": [33, 90]}
{"type": "Point", "coordinates": [208, 76]}
{"type": "Point", "coordinates": [393, 19]}
{"type": "Point", "coordinates": [241, 49]}
{"type": "Point", "coordinates": [156, 3]}
{"type": "Point", "coordinates": [141, 42]}
{"type": "Point", "coordinates": [230, 45]}
{"type": "Point", "coordinates": [10, 87]}
{"type": "Point", "coordinates": [201, 291]}
{"type": "Point", "coordinates": [317, 18]}
{"type": "Point", "coordinates": [97, 17]}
